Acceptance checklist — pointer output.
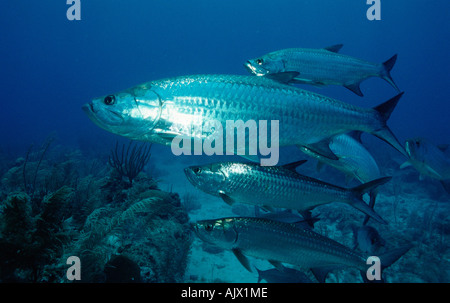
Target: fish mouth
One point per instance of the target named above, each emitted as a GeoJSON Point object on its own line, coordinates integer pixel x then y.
{"type": "Point", "coordinates": [252, 69]}
{"type": "Point", "coordinates": [190, 175]}
{"type": "Point", "coordinates": [88, 108]}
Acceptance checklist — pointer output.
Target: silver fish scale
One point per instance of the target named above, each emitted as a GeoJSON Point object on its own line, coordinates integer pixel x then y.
{"type": "Point", "coordinates": [278, 187]}
{"type": "Point", "coordinates": [285, 242]}
{"type": "Point", "coordinates": [332, 65]}
{"type": "Point", "coordinates": [305, 117]}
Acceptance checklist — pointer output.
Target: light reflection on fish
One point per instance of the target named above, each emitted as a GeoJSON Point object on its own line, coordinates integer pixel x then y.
{"type": "Point", "coordinates": [281, 242]}
{"type": "Point", "coordinates": [276, 187]}
{"type": "Point", "coordinates": [320, 67]}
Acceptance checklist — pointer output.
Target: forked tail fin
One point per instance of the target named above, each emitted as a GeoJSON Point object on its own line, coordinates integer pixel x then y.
{"type": "Point", "coordinates": [386, 72]}
{"type": "Point", "coordinates": [358, 192]}
{"type": "Point", "coordinates": [384, 133]}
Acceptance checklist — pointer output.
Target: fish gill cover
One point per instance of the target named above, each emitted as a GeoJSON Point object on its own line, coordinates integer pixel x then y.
{"type": "Point", "coordinates": [71, 189]}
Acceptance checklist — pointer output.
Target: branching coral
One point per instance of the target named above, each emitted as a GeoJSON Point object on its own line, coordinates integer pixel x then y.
{"type": "Point", "coordinates": [131, 162]}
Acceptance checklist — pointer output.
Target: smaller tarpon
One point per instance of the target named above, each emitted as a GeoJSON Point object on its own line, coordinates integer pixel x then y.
{"type": "Point", "coordinates": [280, 242]}
{"type": "Point", "coordinates": [320, 67]}
{"type": "Point", "coordinates": [429, 160]}
{"type": "Point", "coordinates": [277, 187]}
{"type": "Point", "coordinates": [353, 159]}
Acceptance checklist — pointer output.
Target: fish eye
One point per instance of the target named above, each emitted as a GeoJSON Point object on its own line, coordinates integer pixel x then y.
{"type": "Point", "coordinates": [208, 227]}
{"type": "Point", "coordinates": [109, 100]}
{"type": "Point", "coordinates": [259, 61]}
{"type": "Point", "coordinates": [418, 143]}
{"type": "Point", "coordinates": [196, 170]}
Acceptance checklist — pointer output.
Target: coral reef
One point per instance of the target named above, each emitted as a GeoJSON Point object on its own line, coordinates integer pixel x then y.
{"type": "Point", "coordinates": [55, 203]}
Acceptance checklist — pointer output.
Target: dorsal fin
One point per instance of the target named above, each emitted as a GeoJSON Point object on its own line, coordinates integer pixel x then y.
{"type": "Point", "coordinates": [322, 148]}
{"type": "Point", "coordinates": [334, 48]}
{"type": "Point", "coordinates": [292, 166]}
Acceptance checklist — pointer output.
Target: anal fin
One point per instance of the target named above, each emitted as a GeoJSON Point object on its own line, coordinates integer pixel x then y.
{"type": "Point", "coordinates": [354, 87]}
{"type": "Point", "coordinates": [242, 259]}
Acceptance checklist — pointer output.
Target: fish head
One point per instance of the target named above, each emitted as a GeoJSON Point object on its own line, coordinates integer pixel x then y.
{"type": "Point", "coordinates": [426, 158]}
{"type": "Point", "coordinates": [209, 178]}
{"type": "Point", "coordinates": [132, 113]}
{"type": "Point", "coordinates": [220, 232]}
{"type": "Point", "coordinates": [267, 64]}
{"type": "Point", "coordinates": [417, 149]}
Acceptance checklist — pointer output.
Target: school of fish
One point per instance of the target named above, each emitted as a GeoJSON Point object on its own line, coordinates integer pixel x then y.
{"type": "Point", "coordinates": [323, 128]}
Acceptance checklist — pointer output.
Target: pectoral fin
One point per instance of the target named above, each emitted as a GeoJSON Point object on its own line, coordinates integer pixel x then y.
{"type": "Point", "coordinates": [242, 259]}
{"type": "Point", "coordinates": [227, 199]}
{"type": "Point", "coordinates": [308, 81]}
{"type": "Point", "coordinates": [322, 148]}
{"type": "Point", "coordinates": [283, 77]}
{"type": "Point", "coordinates": [268, 208]}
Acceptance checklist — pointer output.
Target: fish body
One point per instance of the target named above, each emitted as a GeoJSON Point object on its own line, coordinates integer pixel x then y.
{"type": "Point", "coordinates": [321, 67]}
{"type": "Point", "coordinates": [187, 106]}
{"type": "Point", "coordinates": [276, 187]}
{"type": "Point", "coordinates": [281, 242]}
{"type": "Point", "coordinates": [429, 160]}
{"type": "Point", "coordinates": [353, 159]}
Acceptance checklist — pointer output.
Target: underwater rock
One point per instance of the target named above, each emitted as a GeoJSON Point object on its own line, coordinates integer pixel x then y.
{"type": "Point", "coordinates": [121, 269]}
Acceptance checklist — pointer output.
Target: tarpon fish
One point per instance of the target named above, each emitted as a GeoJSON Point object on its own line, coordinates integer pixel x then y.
{"type": "Point", "coordinates": [160, 111]}
{"type": "Point", "coordinates": [281, 242]}
{"type": "Point", "coordinates": [354, 160]}
{"type": "Point", "coordinates": [320, 67]}
{"type": "Point", "coordinates": [276, 187]}
{"type": "Point", "coordinates": [429, 160]}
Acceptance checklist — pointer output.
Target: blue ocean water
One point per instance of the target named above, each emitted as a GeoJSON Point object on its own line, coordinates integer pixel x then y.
{"type": "Point", "coordinates": [51, 66]}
